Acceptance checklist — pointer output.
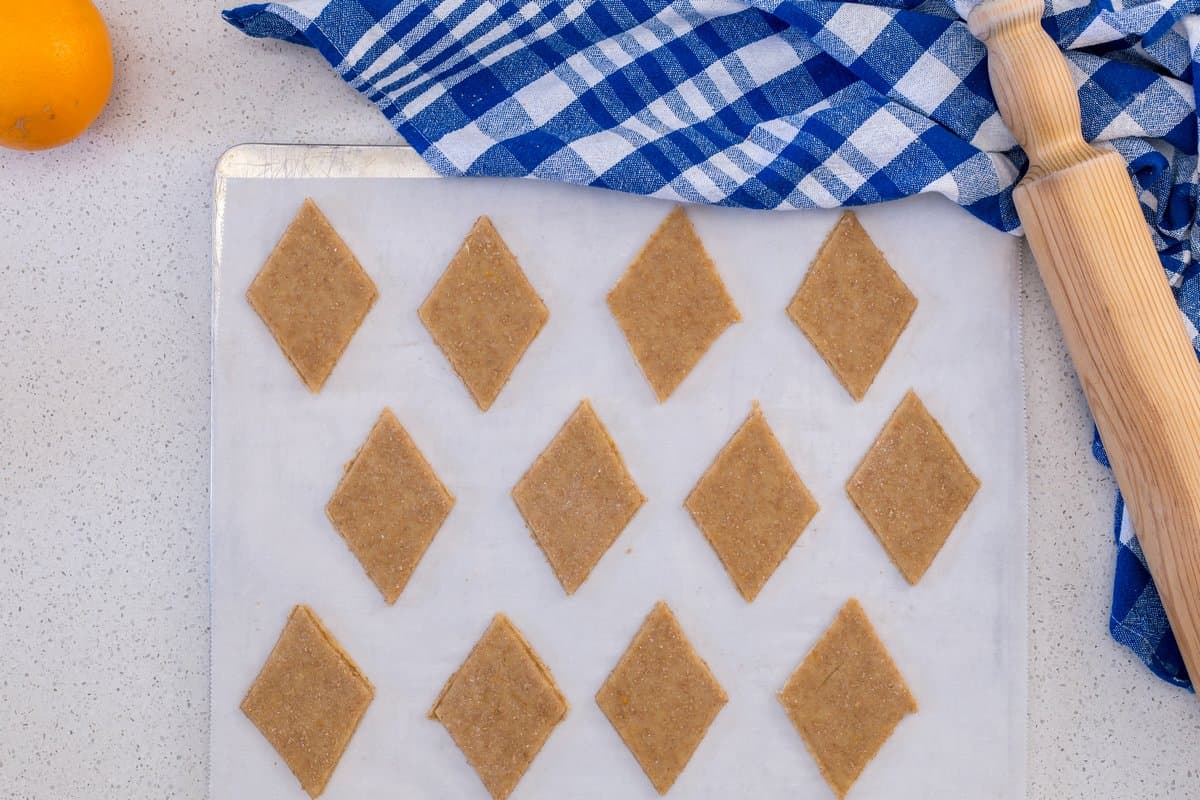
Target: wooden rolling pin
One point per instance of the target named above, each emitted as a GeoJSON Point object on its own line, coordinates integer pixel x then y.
{"type": "Point", "coordinates": [1124, 332]}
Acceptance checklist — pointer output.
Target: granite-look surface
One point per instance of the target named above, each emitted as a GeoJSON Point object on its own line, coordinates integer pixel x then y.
{"type": "Point", "coordinates": [104, 314]}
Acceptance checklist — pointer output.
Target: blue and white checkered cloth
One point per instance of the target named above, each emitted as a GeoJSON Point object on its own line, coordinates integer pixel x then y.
{"type": "Point", "coordinates": [776, 104]}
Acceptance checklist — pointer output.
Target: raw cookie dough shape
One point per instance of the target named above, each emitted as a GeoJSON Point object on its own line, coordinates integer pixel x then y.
{"type": "Point", "coordinates": [661, 698]}
{"type": "Point", "coordinates": [500, 706]}
{"type": "Point", "coordinates": [308, 699]}
{"type": "Point", "coordinates": [852, 305]}
{"type": "Point", "coordinates": [389, 505]}
{"type": "Point", "coordinates": [577, 497]}
{"type": "Point", "coordinates": [671, 304]}
{"type": "Point", "coordinates": [483, 313]}
{"type": "Point", "coordinates": [912, 487]}
{"type": "Point", "coordinates": [312, 294]}
{"type": "Point", "coordinates": [751, 505]}
{"type": "Point", "coordinates": [846, 698]}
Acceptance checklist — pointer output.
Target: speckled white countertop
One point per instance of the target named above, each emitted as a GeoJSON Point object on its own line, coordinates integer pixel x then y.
{"type": "Point", "coordinates": [104, 348]}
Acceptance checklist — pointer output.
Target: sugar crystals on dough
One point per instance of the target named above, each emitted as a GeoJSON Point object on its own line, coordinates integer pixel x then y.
{"type": "Point", "coordinates": [312, 294]}
{"type": "Point", "coordinates": [852, 305]}
{"type": "Point", "coordinates": [308, 699]}
{"type": "Point", "coordinates": [846, 698]}
{"type": "Point", "coordinates": [671, 304]}
{"type": "Point", "coordinates": [912, 487]}
{"type": "Point", "coordinates": [500, 706]}
{"type": "Point", "coordinates": [389, 505]}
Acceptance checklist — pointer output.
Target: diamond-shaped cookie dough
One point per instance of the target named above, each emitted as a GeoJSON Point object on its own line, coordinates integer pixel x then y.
{"type": "Point", "coordinates": [308, 699]}
{"type": "Point", "coordinates": [483, 313]}
{"type": "Point", "coordinates": [500, 707]}
{"type": "Point", "coordinates": [912, 487]}
{"type": "Point", "coordinates": [751, 505]}
{"type": "Point", "coordinates": [671, 304]}
{"type": "Point", "coordinates": [846, 698]}
{"type": "Point", "coordinates": [577, 497]}
{"type": "Point", "coordinates": [389, 505]}
{"type": "Point", "coordinates": [312, 294]}
{"type": "Point", "coordinates": [852, 305]}
{"type": "Point", "coordinates": [661, 698]}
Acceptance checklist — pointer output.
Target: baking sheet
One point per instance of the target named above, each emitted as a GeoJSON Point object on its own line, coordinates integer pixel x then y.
{"type": "Point", "coordinates": [959, 637]}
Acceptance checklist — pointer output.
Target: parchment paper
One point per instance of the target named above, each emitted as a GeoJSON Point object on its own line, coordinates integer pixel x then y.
{"type": "Point", "coordinates": [958, 637]}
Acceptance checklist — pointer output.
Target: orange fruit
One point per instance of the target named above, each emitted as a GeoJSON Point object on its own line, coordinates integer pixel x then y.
{"type": "Point", "coordinates": [56, 71]}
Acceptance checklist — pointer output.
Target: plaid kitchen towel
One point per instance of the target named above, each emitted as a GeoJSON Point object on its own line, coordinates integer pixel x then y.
{"type": "Point", "coordinates": [775, 104]}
